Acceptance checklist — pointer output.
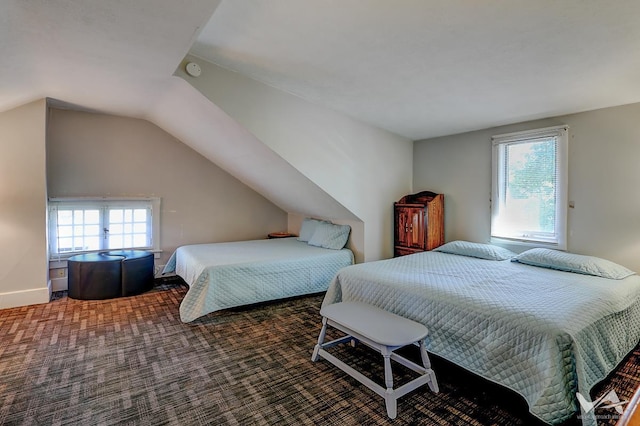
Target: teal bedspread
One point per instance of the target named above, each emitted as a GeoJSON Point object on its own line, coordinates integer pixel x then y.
{"type": "Point", "coordinates": [543, 333]}
{"type": "Point", "coordinates": [225, 275]}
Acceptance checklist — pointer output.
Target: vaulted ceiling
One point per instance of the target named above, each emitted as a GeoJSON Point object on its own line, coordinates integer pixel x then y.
{"type": "Point", "coordinates": [419, 68]}
{"type": "Point", "coordinates": [119, 58]}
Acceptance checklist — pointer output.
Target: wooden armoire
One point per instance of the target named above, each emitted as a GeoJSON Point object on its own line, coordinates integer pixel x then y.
{"type": "Point", "coordinates": [418, 223]}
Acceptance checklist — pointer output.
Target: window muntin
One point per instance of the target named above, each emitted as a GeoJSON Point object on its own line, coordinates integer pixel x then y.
{"type": "Point", "coordinates": [529, 191]}
{"type": "Point", "coordinates": [82, 225]}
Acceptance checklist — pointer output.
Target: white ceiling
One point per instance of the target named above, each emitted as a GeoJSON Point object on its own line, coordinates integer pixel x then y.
{"type": "Point", "coordinates": [424, 68]}
{"type": "Point", "coordinates": [109, 55]}
{"type": "Point", "coordinates": [420, 68]}
{"type": "Point", "coordinates": [118, 57]}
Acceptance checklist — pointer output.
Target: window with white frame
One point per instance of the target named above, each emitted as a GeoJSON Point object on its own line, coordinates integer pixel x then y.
{"type": "Point", "coordinates": [529, 187]}
{"type": "Point", "coordinates": [85, 224]}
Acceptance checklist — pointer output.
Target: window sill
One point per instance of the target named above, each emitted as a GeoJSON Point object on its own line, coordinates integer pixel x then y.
{"type": "Point", "coordinates": [64, 257]}
{"type": "Point", "coordinates": [520, 246]}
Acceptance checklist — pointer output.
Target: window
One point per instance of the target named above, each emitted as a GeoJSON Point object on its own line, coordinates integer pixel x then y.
{"type": "Point", "coordinates": [82, 225]}
{"type": "Point", "coordinates": [529, 187]}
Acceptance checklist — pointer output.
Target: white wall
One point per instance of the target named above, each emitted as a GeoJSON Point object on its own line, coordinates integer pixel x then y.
{"type": "Point", "coordinates": [604, 181]}
{"type": "Point", "coordinates": [363, 167]}
{"type": "Point", "coordinates": [104, 155]}
{"type": "Point", "coordinates": [23, 200]}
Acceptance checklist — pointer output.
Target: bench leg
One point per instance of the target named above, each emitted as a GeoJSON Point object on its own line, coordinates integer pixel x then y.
{"type": "Point", "coordinates": [388, 375]}
{"type": "Point", "coordinates": [323, 332]}
{"type": "Point", "coordinates": [391, 403]}
{"type": "Point", "coordinates": [433, 383]}
{"type": "Point", "coordinates": [389, 396]}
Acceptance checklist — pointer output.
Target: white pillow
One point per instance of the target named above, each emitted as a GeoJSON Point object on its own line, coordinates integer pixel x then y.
{"type": "Point", "coordinates": [331, 236]}
{"type": "Point", "coordinates": [570, 262]}
{"type": "Point", "coordinates": [479, 250]}
{"type": "Point", "coordinates": [308, 228]}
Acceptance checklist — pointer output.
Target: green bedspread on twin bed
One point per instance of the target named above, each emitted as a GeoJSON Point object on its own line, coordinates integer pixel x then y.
{"type": "Point", "coordinates": [225, 275]}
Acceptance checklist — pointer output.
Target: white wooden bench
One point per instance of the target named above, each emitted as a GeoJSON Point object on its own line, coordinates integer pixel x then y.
{"type": "Point", "coordinates": [383, 331]}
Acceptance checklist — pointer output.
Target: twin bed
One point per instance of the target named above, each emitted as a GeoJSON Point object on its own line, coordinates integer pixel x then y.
{"type": "Point", "coordinates": [226, 275]}
{"type": "Point", "coordinates": [548, 326]}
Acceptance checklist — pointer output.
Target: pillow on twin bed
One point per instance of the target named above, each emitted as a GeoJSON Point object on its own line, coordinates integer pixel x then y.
{"type": "Point", "coordinates": [570, 262]}
{"type": "Point", "coordinates": [329, 235]}
{"type": "Point", "coordinates": [479, 250]}
{"type": "Point", "coordinates": [308, 228]}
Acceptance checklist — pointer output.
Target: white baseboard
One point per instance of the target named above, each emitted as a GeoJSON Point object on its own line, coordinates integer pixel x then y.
{"type": "Point", "coordinates": [33, 296]}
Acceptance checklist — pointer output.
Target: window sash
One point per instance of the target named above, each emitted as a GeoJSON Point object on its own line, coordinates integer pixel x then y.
{"type": "Point", "coordinates": [113, 224]}
{"type": "Point", "coordinates": [500, 232]}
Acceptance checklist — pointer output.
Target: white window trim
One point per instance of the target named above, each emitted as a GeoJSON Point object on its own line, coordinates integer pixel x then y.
{"type": "Point", "coordinates": [562, 187]}
{"type": "Point", "coordinates": [155, 223]}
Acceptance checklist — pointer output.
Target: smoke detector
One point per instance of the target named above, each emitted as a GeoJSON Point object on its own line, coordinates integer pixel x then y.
{"type": "Point", "coordinates": [193, 69]}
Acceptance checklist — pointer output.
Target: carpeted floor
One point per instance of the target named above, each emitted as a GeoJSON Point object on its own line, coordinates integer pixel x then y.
{"type": "Point", "coordinates": [131, 361]}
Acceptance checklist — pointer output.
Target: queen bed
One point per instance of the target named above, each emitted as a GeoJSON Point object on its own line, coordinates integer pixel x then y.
{"type": "Point", "coordinates": [226, 275]}
{"type": "Point", "coordinates": [541, 331]}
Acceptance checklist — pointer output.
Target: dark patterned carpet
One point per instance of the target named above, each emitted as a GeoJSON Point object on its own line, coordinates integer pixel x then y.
{"type": "Point", "coordinates": [131, 361]}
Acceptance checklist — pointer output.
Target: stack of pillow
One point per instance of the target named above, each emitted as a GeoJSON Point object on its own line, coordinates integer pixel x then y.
{"type": "Point", "coordinates": [324, 234]}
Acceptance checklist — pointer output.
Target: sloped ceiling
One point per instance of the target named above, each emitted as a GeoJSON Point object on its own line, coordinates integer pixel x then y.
{"type": "Point", "coordinates": [118, 57]}
{"type": "Point", "coordinates": [188, 115]}
{"type": "Point", "coordinates": [419, 68]}
{"type": "Point", "coordinates": [111, 56]}
{"type": "Point", "coordinates": [425, 68]}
